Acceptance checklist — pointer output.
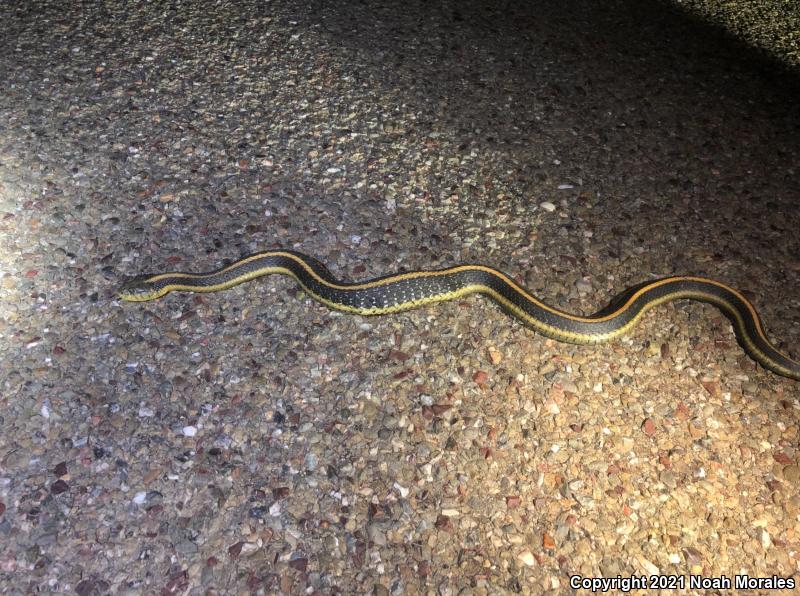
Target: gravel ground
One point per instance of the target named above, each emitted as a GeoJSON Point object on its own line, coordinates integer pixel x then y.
{"type": "Point", "coordinates": [252, 441]}
{"type": "Point", "coordinates": [770, 26]}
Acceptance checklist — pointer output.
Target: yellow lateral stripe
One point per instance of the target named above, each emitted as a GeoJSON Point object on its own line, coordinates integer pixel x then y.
{"type": "Point", "coordinates": [549, 330]}
{"type": "Point", "coordinates": [458, 269]}
{"type": "Point", "coordinates": [173, 283]}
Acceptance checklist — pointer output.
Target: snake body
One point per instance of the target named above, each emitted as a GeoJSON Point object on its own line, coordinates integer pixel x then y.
{"type": "Point", "coordinates": [405, 291]}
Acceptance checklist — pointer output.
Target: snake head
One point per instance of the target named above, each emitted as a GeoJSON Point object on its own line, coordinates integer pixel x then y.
{"type": "Point", "coordinates": [138, 289]}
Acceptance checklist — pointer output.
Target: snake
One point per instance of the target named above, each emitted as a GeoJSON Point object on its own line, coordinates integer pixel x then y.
{"type": "Point", "coordinates": [404, 291]}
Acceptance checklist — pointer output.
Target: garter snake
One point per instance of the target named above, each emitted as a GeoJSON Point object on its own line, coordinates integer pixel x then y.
{"type": "Point", "coordinates": [404, 291]}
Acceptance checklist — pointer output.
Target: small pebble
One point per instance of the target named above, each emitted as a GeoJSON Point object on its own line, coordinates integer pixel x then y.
{"type": "Point", "coordinates": [527, 558]}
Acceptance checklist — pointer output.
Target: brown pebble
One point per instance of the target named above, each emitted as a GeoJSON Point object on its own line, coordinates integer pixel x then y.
{"type": "Point", "coordinates": [547, 541]}
{"type": "Point", "coordinates": [682, 411]}
{"type": "Point", "coordinates": [398, 355]}
{"type": "Point", "coordinates": [649, 427]}
{"type": "Point", "coordinates": [58, 487]}
{"type": "Point", "coordinates": [775, 485]}
{"type": "Point", "coordinates": [480, 377]}
{"type": "Point", "coordinates": [693, 556]}
{"type": "Point", "coordinates": [443, 523]}
{"type": "Point", "coordinates": [696, 432]}
{"type": "Point", "coordinates": [235, 549]}
{"type": "Point", "coordinates": [512, 502]}
{"type": "Point", "coordinates": [791, 474]}
{"type": "Point", "coordinates": [85, 587]}
{"type": "Point", "coordinates": [300, 563]}
{"type": "Point", "coordinates": [710, 386]}
{"type": "Point", "coordinates": [280, 492]}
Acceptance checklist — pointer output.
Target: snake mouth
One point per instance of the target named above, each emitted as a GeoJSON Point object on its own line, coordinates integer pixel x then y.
{"type": "Point", "coordinates": [136, 289]}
